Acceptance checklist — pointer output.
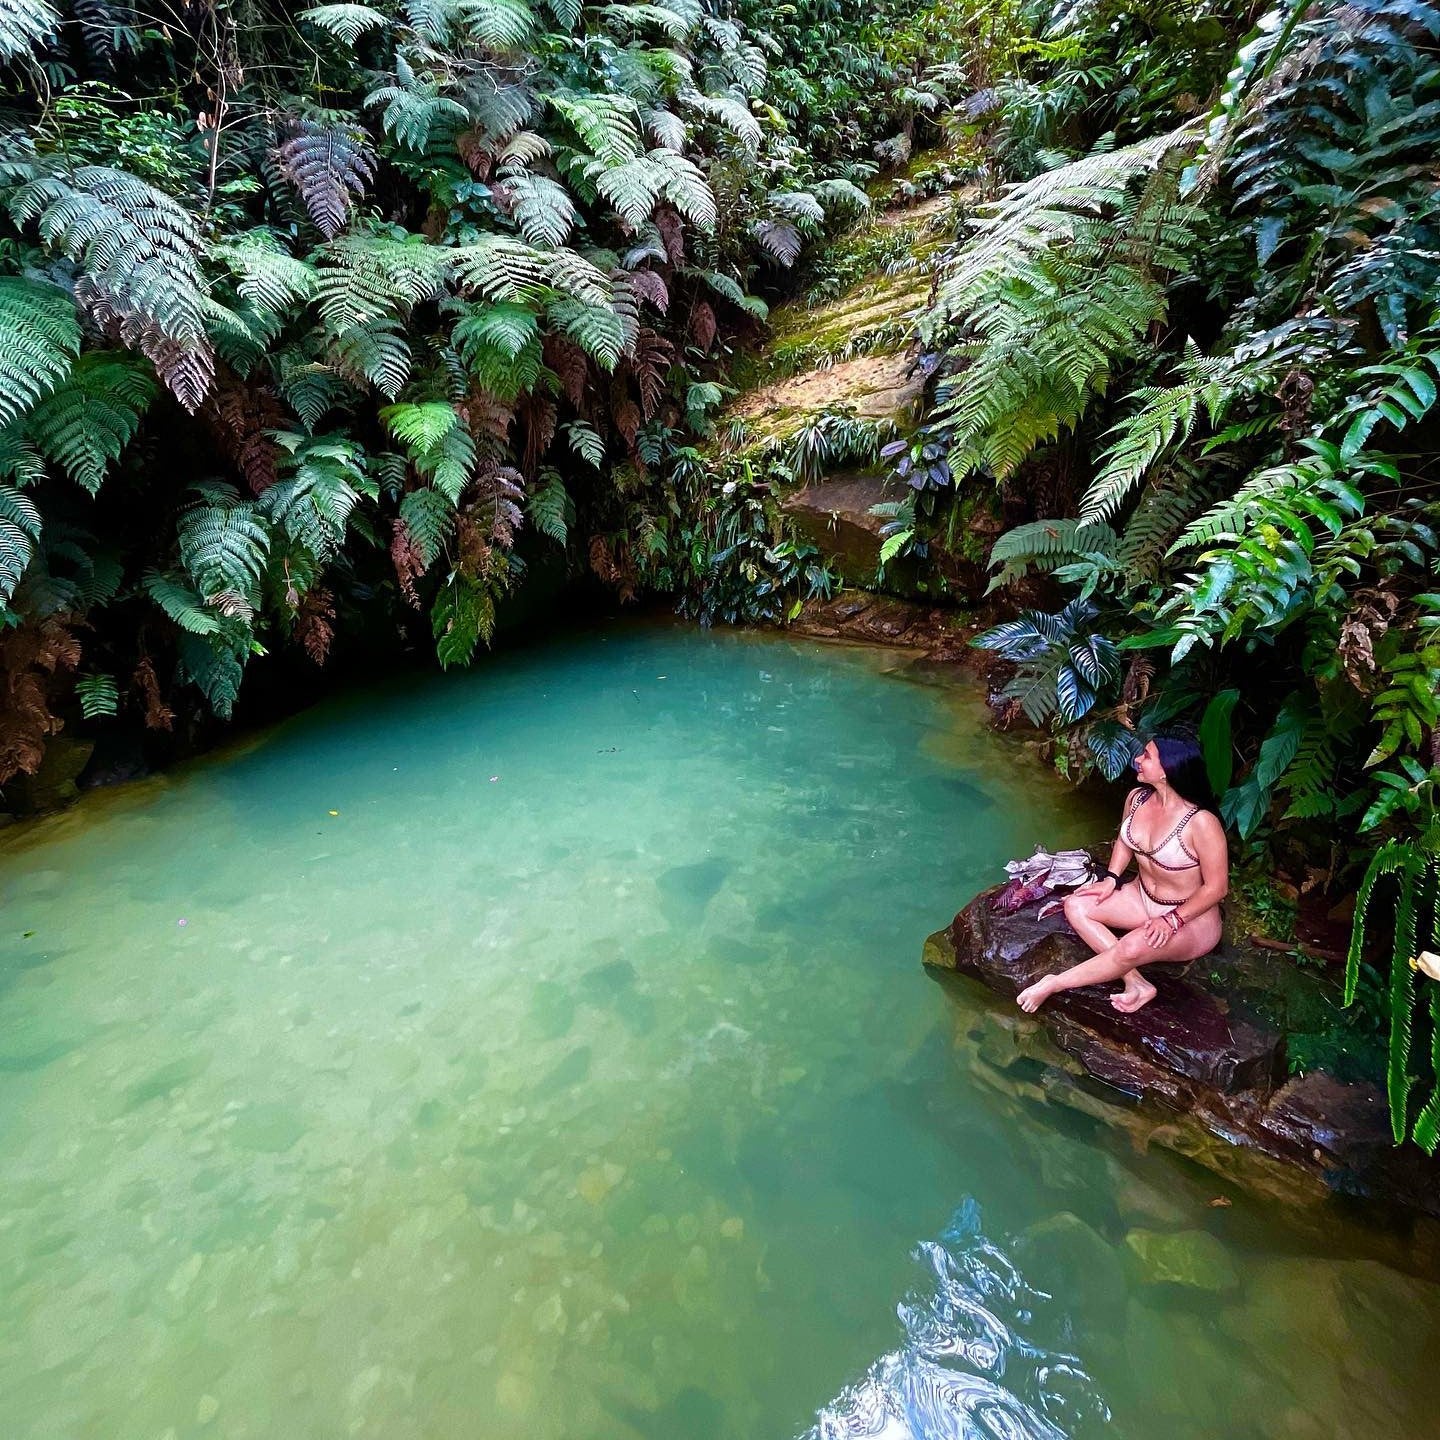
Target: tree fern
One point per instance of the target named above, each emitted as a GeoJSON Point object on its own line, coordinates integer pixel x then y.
{"type": "Point", "coordinates": [1061, 283]}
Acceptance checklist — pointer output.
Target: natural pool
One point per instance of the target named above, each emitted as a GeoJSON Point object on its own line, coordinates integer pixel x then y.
{"type": "Point", "coordinates": [544, 1052]}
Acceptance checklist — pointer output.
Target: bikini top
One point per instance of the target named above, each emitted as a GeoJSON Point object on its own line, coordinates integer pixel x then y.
{"type": "Point", "coordinates": [1174, 842]}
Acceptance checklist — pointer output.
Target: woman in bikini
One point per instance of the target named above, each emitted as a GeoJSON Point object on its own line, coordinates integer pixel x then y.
{"type": "Point", "coordinates": [1171, 911]}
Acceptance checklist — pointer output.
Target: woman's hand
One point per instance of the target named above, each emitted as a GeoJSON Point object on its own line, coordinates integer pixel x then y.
{"type": "Point", "coordinates": [1101, 889]}
{"type": "Point", "coordinates": [1158, 931]}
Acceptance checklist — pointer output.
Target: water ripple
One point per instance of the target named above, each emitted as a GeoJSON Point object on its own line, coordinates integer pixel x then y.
{"type": "Point", "coordinates": [966, 1369]}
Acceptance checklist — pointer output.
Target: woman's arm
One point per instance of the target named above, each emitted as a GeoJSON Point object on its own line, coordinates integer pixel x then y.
{"type": "Point", "coordinates": [1207, 839]}
{"type": "Point", "coordinates": [1121, 854]}
{"type": "Point", "coordinates": [1120, 857]}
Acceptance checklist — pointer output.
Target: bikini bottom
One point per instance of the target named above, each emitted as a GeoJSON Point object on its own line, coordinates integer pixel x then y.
{"type": "Point", "coordinates": [1154, 907]}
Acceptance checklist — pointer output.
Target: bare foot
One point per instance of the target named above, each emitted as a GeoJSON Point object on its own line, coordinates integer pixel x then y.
{"type": "Point", "coordinates": [1136, 994]}
{"type": "Point", "coordinates": [1034, 996]}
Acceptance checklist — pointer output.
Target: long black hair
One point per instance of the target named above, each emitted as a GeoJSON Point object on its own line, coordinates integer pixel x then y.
{"type": "Point", "coordinates": [1184, 765]}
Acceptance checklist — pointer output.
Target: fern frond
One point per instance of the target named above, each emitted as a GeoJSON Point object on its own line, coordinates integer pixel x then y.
{"type": "Point", "coordinates": [499, 25]}
{"type": "Point", "coordinates": [597, 329]}
{"type": "Point", "coordinates": [1045, 545]}
{"type": "Point", "coordinates": [429, 517]}
{"type": "Point", "coordinates": [329, 165]}
{"type": "Point", "coordinates": [223, 544]}
{"type": "Point", "coordinates": [187, 609]}
{"type": "Point", "coordinates": [24, 25]}
{"type": "Point", "coordinates": [85, 424]}
{"type": "Point", "coordinates": [39, 340]}
{"type": "Point", "coordinates": [268, 276]}
{"type": "Point", "coordinates": [346, 22]}
{"type": "Point", "coordinates": [415, 110]}
{"type": "Point", "coordinates": [541, 207]}
{"type": "Point", "coordinates": [313, 503]}
{"type": "Point", "coordinates": [137, 247]}
{"type": "Point", "coordinates": [549, 509]}
{"type": "Point", "coordinates": [19, 535]}
{"type": "Point", "coordinates": [607, 124]}
{"type": "Point", "coordinates": [98, 695]}
{"type": "Point", "coordinates": [733, 113]}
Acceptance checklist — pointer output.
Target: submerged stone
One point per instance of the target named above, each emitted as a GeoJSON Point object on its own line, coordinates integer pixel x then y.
{"type": "Point", "coordinates": [267, 1129]}
{"type": "Point", "coordinates": [1076, 1264]}
{"type": "Point", "coordinates": [1193, 1258]}
{"type": "Point", "coordinates": [685, 890]}
{"type": "Point", "coordinates": [552, 1009]}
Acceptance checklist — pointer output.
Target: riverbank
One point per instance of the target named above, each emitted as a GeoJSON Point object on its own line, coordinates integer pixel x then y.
{"type": "Point", "coordinates": [1202, 1070]}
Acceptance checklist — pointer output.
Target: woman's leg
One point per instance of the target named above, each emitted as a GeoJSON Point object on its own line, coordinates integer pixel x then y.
{"type": "Point", "coordinates": [1091, 919]}
{"type": "Point", "coordinates": [1126, 909]}
{"type": "Point", "coordinates": [1199, 937]}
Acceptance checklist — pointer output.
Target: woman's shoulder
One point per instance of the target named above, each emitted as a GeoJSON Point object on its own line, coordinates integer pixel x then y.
{"type": "Point", "coordinates": [1206, 822]}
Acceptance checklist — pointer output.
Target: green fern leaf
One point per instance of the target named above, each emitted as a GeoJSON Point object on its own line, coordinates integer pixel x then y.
{"type": "Point", "coordinates": [549, 509]}
{"type": "Point", "coordinates": [39, 340]}
{"type": "Point", "coordinates": [85, 424]}
{"type": "Point", "coordinates": [19, 535]}
{"type": "Point", "coordinates": [98, 696]}
{"type": "Point", "coordinates": [346, 22]}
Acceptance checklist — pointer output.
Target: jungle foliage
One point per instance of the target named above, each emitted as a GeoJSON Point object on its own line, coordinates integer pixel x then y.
{"type": "Point", "coordinates": [1195, 334]}
{"type": "Point", "coordinates": [310, 316]}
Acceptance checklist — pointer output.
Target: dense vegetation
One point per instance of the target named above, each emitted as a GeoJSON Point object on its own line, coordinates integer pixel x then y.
{"type": "Point", "coordinates": [323, 325]}
{"type": "Point", "coordinates": [306, 318]}
{"type": "Point", "coordinates": [1197, 338]}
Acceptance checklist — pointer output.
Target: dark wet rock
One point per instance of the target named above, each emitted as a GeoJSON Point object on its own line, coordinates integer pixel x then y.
{"type": "Point", "coordinates": [1205, 1056]}
{"type": "Point", "coordinates": [1185, 1031]}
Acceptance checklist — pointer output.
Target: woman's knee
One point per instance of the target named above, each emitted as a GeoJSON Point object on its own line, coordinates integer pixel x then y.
{"type": "Point", "coordinates": [1077, 907]}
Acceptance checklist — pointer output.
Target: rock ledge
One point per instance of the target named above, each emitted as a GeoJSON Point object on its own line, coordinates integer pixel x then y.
{"type": "Point", "coordinates": [1190, 1052]}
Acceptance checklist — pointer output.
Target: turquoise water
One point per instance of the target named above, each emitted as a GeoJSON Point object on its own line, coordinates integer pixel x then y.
{"type": "Point", "coordinates": [544, 1052]}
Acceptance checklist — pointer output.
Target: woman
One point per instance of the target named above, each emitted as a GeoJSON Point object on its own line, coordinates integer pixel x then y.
{"type": "Point", "coordinates": [1171, 911]}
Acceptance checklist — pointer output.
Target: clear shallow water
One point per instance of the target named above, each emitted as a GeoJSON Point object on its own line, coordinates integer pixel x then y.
{"type": "Point", "coordinates": [601, 1098]}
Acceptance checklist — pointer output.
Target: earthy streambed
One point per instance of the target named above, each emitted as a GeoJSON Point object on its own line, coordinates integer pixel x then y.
{"type": "Point", "coordinates": [577, 1077]}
